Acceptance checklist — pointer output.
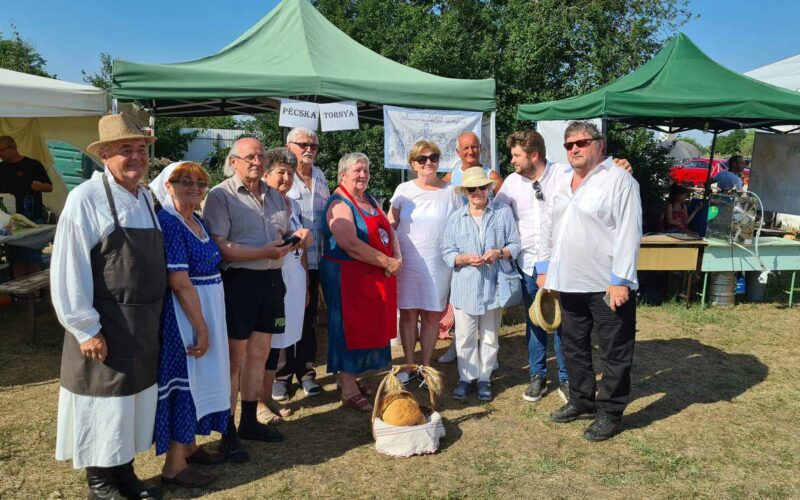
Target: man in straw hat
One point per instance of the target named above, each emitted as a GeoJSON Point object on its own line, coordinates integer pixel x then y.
{"type": "Point", "coordinates": [108, 278]}
{"type": "Point", "coordinates": [596, 229]}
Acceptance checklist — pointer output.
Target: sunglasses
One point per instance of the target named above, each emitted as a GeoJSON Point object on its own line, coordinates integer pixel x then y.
{"type": "Point", "coordinates": [187, 183]}
{"type": "Point", "coordinates": [581, 143]}
{"type": "Point", "coordinates": [538, 188]}
{"type": "Point", "coordinates": [252, 158]}
{"type": "Point", "coordinates": [472, 189]}
{"type": "Point", "coordinates": [422, 159]}
{"type": "Point", "coordinates": [313, 146]}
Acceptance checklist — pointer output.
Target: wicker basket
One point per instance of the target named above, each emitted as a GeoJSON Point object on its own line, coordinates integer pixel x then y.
{"type": "Point", "coordinates": [407, 440]}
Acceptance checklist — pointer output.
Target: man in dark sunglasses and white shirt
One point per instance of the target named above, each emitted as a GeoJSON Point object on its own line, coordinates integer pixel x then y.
{"type": "Point", "coordinates": [528, 191]}
{"type": "Point", "coordinates": [596, 230]}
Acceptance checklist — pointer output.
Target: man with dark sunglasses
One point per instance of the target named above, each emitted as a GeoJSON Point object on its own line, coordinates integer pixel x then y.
{"type": "Point", "coordinates": [596, 228]}
{"type": "Point", "coordinates": [527, 191]}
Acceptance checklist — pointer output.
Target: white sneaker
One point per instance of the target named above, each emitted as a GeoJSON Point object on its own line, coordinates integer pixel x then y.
{"type": "Point", "coordinates": [310, 387]}
{"type": "Point", "coordinates": [449, 355]}
{"type": "Point", "coordinates": [280, 391]}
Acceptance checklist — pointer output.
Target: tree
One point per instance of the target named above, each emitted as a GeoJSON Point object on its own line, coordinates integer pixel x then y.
{"type": "Point", "coordinates": [731, 143]}
{"type": "Point", "coordinates": [535, 50]}
{"type": "Point", "coordinates": [746, 148]}
{"type": "Point", "coordinates": [102, 79]}
{"type": "Point", "coordinates": [20, 55]}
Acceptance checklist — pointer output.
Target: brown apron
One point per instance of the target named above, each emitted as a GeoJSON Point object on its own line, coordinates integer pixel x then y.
{"type": "Point", "coordinates": [130, 278]}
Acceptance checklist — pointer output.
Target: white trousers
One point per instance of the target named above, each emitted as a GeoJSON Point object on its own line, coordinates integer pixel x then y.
{"type": "Point", "coordinates": [477, 342]}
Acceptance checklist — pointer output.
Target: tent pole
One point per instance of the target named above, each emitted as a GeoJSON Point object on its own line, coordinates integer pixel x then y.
{"type": "Point", "coordinates": [710, 163]}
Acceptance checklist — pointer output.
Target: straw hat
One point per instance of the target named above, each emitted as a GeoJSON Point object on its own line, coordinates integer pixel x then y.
{"type": "Point", "coordinates": [474, 177]}
{"type": "Point", "coordinates": [113, 128]}
{"type": "Point", "coordinates": [545, 312]}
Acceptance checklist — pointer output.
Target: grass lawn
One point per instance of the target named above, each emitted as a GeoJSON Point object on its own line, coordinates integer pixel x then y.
{"type": "Point", "coordinates": [714, 414]}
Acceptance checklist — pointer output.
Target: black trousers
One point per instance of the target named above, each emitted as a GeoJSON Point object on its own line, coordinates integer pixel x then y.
{"type": "Point", "coordinates": [300, 358]}
{"type": "Point", "coordinates": [582, 313]}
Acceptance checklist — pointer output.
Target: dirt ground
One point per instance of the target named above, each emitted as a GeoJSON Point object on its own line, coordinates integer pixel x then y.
{"type": "Point", "coordinates": [714, 413]}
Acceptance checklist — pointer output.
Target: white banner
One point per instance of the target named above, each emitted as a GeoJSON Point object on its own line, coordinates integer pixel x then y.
{"type": "Point", "coordinates": [299, 114]}
{"type": "Point", "coordinates": [339, 116]}
{"type": "Point", "coordinates": [774, 172]}
{"type": "Point", "coordinates": [403, 127]}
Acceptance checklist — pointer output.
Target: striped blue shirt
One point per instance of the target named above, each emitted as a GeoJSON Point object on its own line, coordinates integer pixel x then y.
{"type": "Point", "coordinates": [473, 289]}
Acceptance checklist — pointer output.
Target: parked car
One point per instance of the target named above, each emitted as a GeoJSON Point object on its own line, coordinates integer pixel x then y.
{"type": "Point", "coordinates": [694, 172]}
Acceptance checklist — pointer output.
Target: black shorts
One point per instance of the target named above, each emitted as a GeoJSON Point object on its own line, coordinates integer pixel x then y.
{"type": "Point", "coordinates": [253, 302]}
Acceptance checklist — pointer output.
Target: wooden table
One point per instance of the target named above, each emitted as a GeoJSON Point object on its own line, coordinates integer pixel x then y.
{"type": "Point", "coordinates": [777, 254]}
{"type": "Point", "coordinates": [28, 287]}
{"type": "Point", "coordinates": [662, 252]}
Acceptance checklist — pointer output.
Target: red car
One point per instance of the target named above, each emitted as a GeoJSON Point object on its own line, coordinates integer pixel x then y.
{"type": "Point", "coordinates": [694, 172]}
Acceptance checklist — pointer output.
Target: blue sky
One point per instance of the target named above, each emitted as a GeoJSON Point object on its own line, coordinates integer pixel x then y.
{"type": "Point", "coordinates": [71, 34]}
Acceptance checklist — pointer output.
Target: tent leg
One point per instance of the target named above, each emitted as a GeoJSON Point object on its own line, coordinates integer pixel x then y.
{"type": "Point", "coordinates": [707, 190]}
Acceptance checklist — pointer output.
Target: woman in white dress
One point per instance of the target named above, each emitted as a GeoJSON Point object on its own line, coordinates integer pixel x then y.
{"type": "Point", "coordinates": [419, 212]}
{"type": "Point", "coordinates": [279, 175]}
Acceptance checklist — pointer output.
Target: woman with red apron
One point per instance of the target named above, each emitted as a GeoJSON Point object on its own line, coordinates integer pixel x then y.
{"type": "Point", "coordinates": [358, 281]}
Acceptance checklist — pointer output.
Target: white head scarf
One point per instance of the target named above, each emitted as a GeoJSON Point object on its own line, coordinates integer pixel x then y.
{"type": "Point", "coordinates": [159, 189]}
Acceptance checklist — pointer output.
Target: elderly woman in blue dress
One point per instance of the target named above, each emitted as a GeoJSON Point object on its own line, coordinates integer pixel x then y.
{"type": "Point", "coordinates": [193, 372]}
{"type": "Point", "coordinates": [477, 237]}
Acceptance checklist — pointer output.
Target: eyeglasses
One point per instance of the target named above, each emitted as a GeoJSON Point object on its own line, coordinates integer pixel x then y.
{"type": "Point", "coordinates": [472, 189]}
{"type": "Point", "coordinates": [313, 146]}
{"type": "Point", "coordinates": [422, 159]}
{"type": "Point", "coordinates": [581, 143]}
{"type": "Point", "coordinates": [187, 183]}
{"type": "Point", "coordinates": [538, 188]}
{"type": "Point", "coordinates": [251, 158]}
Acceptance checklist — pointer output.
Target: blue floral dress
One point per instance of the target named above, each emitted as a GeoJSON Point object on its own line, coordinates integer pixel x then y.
{"type": "Point", "coordinates": [193, 393]}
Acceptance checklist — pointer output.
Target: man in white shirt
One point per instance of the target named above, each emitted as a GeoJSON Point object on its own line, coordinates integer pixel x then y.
{"type": "Point", "coordinates": [527, 191]}
{"type": "Point", "coordinates": [108, 277]}
{"type": "Point", "coordinates": [310, 190]}
{"type": "Point", "coordinates": [729, 180]}
{"type": "Point", "coordinates": [596, 228]}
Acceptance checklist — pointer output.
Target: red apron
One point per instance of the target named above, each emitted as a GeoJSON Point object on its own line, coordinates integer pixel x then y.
{"type": "Point", "coordinates": [369, 297]}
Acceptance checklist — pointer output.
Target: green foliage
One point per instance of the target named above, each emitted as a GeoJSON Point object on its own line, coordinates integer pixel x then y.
{"type": "Point", "coordinates": [18, 54]}
{"type": "Point", "coordinates": [535, 50]}
{"type": "Point", "coordinates": [746, 147]}
{"type": "Point", "coordinates": [171, 143]}
{"type": "Point", "coordinates": [651, 163]}
{"type": "Point", "coordinates": [731, 143]}
{"type": "Point", "coordinates": [103, 78]}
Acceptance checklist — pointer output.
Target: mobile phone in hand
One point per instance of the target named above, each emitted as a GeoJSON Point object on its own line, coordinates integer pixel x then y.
{"type": "Point", "coordinates": [290, 240]}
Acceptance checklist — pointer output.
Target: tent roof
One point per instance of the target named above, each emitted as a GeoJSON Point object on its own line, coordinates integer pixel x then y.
{"type": "Point", "coordinates": [785, 73]}
{"type": "Point", "coordinates": [292, 52]}
{"type": "Point", "coordinates": [680, 88]}
{"type": "Point", "coordinates": [30, 96]}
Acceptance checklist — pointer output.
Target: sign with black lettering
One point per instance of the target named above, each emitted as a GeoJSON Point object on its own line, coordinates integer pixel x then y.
{"type": "Point", "coordinates": [339, 116]}
{"type": "Point", "coordinates": [295, 113]}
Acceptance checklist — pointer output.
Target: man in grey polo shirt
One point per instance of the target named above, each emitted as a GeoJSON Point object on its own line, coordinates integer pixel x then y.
{"type": "Point", "coordinates": [248, 220]}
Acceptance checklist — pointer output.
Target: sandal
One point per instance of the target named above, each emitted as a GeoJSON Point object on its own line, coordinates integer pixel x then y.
{"type": "Point", "coordinates": [189, 478]}
{"type": "Point", "coordinates": [204, 457]}
{"type": "Point", "coordinates": [364, 388]}
{"type": "Point", "coordinates": [357, 402]}
{"type": "Point", "coordinates": [266, 417]}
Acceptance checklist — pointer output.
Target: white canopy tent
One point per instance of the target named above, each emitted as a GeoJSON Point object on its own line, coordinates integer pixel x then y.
{"type": "Point", "coordinates": [785, 73]}
{"type": "Point", "coordinates": [34, 109]}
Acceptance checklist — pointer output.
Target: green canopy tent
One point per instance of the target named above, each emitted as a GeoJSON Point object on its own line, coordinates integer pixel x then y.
{"type": "Point", "coordinates": [679, 89]}
{"type": "Point", "coordinates": [292, 52]}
